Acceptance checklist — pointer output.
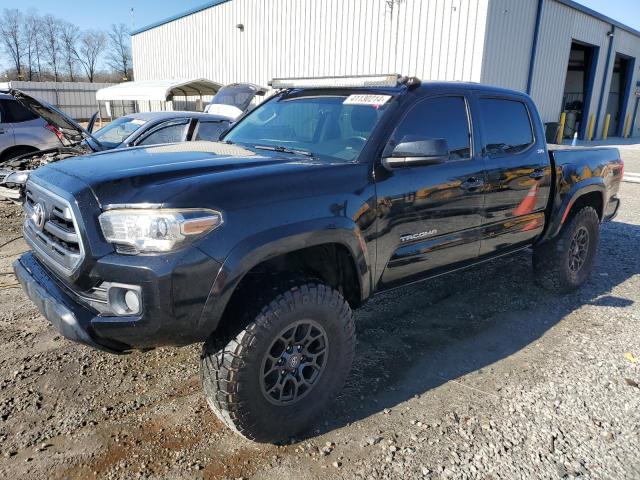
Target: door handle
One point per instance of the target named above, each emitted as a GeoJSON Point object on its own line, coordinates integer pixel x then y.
{"type": "Point", "coordinates": [472, 183]}
{"type": "Point", "coordinates": [537, 173]}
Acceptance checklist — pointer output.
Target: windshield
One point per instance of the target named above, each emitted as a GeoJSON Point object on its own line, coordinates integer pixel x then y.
{"type": "Point", "coordinates": [238, 96]}
{"type": "Point", "coordinates": [333, 127]}
{"type": "Point", "coordinates": [113, 134]}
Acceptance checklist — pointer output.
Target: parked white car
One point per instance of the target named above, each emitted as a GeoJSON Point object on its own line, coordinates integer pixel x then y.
{"type": "Point", "coordinates": [236, 99]}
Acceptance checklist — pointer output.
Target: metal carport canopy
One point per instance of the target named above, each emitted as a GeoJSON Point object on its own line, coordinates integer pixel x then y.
{"type": "Point", "coordinates": [158, 90]}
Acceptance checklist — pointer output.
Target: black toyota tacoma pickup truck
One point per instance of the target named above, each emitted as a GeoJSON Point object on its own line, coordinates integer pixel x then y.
{"type": "Point", "coordinates": [261, 245]}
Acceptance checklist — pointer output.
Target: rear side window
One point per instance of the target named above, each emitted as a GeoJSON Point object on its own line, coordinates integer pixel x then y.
{"type": "Point", "coordinates": [13, 112]}
{"type": "Point", "coordinates": [210, 130]}
{"type": "Point", "coordinates": [439, 117]}
{"type": "Point", "coordinates": [506, 126]}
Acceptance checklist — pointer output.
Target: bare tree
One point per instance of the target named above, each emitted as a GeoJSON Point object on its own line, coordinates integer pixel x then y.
{"type": "Point", "coordinates": [51, 43]}
{"type": "Point", "coordinates": [68, 38]}
{"type": "Point", "coordinates": [90, 47]}
{"type": "Point", "coordinates": [11, 23]}
{"type": "Point", "coordinates": [119, 56]}
{"type": "Point", "coordinates": [32, 43]}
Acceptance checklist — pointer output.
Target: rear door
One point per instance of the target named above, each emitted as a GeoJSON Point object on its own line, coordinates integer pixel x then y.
{"type": "Point", "coordinates": [6, 128]}
{"type": "Point", "coordinates": [28, 128]}
{"type": "Point", "coordinates": [518, 173]}
{"type": "Point", "coordinates": [430, 216]}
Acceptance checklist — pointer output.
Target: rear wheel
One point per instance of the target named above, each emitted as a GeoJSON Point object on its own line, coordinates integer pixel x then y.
{"type": "Point", "coordinates": [565, 263]}
{"type": "Point", "coordinates": [270, 381]}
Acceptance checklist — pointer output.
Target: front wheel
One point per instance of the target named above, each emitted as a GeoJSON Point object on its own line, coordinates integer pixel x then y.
{"type": "Point", "coordinates": [565, 263]}
{"type": "Point", "coordinates": [271, 380]}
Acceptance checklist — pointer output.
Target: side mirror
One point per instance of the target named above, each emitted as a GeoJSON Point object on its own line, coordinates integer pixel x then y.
{"type": "Point", "coordinates": [92, 122]}
{"type": "Point", "coordinates": [411, 152]}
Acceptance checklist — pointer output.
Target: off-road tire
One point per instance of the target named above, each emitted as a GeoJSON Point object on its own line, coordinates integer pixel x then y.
{"type": "Point", "coordinates": [551, 260]}
{"type": "Point", "coordinates": [231, 365]}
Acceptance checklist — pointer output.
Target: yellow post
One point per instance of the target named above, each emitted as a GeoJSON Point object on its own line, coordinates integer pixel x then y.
{"type": "Point", "coordinates": [627, 119]}
{"type": "Point", "coordinates": [563, 120]}
{"type": "Point", "coordinates": [590, 127]}
{"type": "Point", "coordinates": [605, 131]}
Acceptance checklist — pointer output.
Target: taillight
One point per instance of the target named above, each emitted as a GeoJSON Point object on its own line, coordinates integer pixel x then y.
{"type": "Point", "coordinates": [57, 132]}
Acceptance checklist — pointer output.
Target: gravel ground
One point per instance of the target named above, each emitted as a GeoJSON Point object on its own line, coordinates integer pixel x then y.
{"type": "Point", "coordinates": [451, 380]}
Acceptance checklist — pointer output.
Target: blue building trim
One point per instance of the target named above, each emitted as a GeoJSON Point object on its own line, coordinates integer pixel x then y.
{"type": "Point", "coordinates": [186, 13]}
{"type": "Point", "coordinates": [604, 80]}
{"type": "Point", "coordinates": [586, 108]}
{"type": "Point", "coordinates": [635, 114]}
{"type": "Point", "coordinates": [534, 45]}
{"type": "Point", "coordinates": [628, 88]}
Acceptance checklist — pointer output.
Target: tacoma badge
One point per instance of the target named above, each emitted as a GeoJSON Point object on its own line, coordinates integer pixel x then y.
{"type": "Point", "coordinates": [416, 236]}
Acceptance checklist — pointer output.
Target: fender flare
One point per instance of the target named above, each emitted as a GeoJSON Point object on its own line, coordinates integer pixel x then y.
{"type": "Point", "coordinates": [559, 214]}
{"type": "Point", "coordinates": [272, 243]}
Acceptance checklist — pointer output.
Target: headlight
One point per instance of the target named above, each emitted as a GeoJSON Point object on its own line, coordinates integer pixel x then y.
{"type": "Point", "coordinates": [19, 178]}
{"type": "Point", "coordinates": [156, 230]}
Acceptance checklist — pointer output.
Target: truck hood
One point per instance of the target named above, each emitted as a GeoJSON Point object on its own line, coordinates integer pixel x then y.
{"type": "Point", "coordinates": [147, 174]}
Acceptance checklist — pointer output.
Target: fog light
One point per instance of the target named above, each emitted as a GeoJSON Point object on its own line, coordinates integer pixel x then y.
{"type": "Point", "coordinates": [132, 301]}
{"type": "Point", "coordinates": [124, 299]}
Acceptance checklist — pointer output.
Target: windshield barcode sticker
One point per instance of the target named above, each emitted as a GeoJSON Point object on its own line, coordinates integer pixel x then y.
{"type": "Point", "coordinates": [367, 100]}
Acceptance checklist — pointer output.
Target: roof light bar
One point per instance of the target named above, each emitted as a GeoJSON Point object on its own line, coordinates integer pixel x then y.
{"type": "Point", "coordinates": [389, 80]}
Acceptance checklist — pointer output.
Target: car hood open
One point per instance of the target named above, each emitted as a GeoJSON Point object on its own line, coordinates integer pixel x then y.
{"type": "Point", "coordinates": [71, 130]}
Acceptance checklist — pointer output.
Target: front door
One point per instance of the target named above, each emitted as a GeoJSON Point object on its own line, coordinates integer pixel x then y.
{"type": "Point", "coordinates": [430, 216]}
{"type": "Point", "coordinates": [518, 174]}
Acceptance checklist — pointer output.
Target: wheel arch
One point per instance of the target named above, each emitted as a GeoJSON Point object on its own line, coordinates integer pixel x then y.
{"type": "Point", "coordinates": [297, 246]}
{"type": "Point", "coordinates": [590, 193]}
{"type": "Point", "coordinates": [26, 149]}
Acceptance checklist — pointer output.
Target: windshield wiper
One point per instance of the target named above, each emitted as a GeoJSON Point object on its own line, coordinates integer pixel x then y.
{"type": "Point", "coordinates": [281, 149]}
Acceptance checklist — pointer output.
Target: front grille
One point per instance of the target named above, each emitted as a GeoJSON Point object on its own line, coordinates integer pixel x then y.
{"type": "Point", "coordinates": [50, 228]}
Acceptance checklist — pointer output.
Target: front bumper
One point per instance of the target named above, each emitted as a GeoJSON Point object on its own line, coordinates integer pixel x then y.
{"type": "Point", "coordinates": [13, 194]}
{"type": "Point", "coordinates": [612, 209]}
{"type": "Point", "coordinates": [72, 321]}
{"type": "Point", "coordinates": [174, 292]}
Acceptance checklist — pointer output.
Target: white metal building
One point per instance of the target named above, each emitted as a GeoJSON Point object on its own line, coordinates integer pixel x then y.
{"type": "Point", "coordinates": [568, 57]}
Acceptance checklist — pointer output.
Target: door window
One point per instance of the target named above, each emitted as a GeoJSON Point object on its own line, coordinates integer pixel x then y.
{"type": "Point", "coordinates": [13, 112]}
{"type": "Point", "coordinates": [439, 117]}
{"type": "Point", "coordinates": [210, 130]}
{"type": "Point", "coordinates": [172, 133]}
{"type": "Point", "coordinates": [506, 126]}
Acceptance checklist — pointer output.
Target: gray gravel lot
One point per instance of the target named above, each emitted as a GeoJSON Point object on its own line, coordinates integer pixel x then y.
{"type": "Point", "coordinates": [480, 374]}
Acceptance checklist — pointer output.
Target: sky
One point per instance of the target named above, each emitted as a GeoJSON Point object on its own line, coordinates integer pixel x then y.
{"type": "Point", "coordinates": [102, 13]}
{"type": "Point", "coordinates": [99, 14]}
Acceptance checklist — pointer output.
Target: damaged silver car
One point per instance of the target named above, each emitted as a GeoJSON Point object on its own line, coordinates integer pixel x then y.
{"type": "Point", "coordinates": [74, 140]}
{"type": "Point", "coordinates": [137, 129]}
